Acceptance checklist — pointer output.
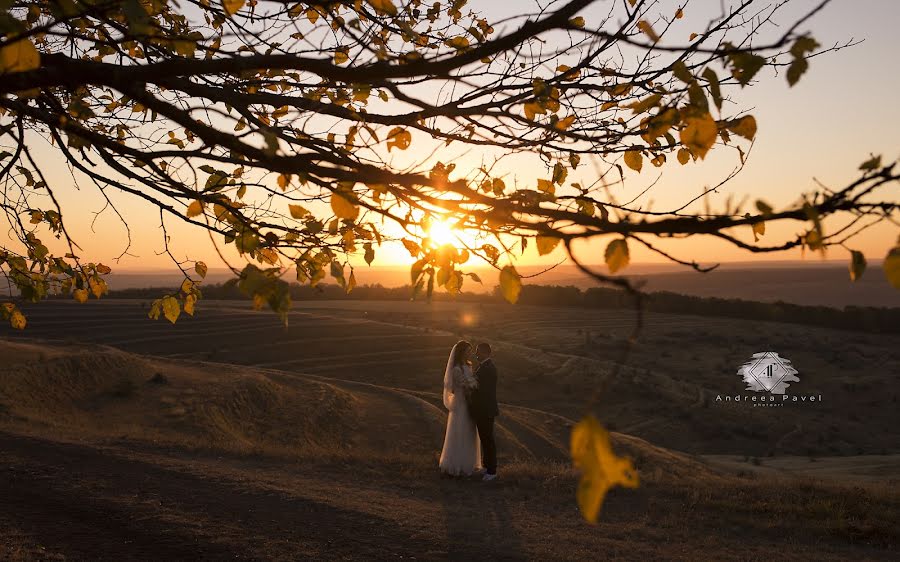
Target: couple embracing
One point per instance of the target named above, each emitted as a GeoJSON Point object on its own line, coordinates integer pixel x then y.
{"type": "Point", "coordinates": [470, 396]}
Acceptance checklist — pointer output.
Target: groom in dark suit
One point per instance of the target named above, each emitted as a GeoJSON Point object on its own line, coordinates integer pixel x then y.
{"type": "Point", "coordinates": [483, 405]}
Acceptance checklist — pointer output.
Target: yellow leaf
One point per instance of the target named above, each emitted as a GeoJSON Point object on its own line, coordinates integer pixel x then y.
{"type": "Point", "coordinates": [170, 308]}
{"type": "Point", "coordinates": [186, 286]}
{"type": "Point", "coordinates": [459, 43]}
{"type": "Point", "coordinates": [343, 208]}
{"type": "Point", "coordinates": [232, 6]}
{"type": "Point", "coordinates": [312, 15]}
{"type": "Point", "coordinates": [98, 287]}
{"type": "Point", "coordinates": [634, 159]}
{"type": "Point", "coordinates": [194, 209]}
{"type": "Point", "coordinates": [644, 26]}
{"type": "Point", "coordinates": [546, 244]}
{"type": "Point", "coordinates": [20, 56]}
{"type": "Point", "coordinates": [745, 127]}
{"type": "Point", "coordinates": [692, 37]}
{"type": "Point", "coordinates": [600, 468]}
{"type": "Point", "coordinates": [617, 255]}
{"type": "Point", "coordinates": [411, 247]}
{"type": "Point", "coordinates": [17, 320]}
{"type": "Point", "coordinates": [684, 155]}
{"type": "Point", "coordinates": [577, 21]}
{"type": "Point", "coordinates": [398, 137]}
{"type": "Point", "coordinates": [201, 269]}
{"type": "Point", "coordinates": [283, 181]}
{"type": "Point", "coordinates": [892, 267]}
{"type": "Point", "coordinates": [341, 55]}
{"type": "Point", "coordinates": [532, 109]}
{"type": "Point", "coordinates": [297, 211]}
{"type": "Point", "coordinates": [383, 7]}
{"type": "Point", "coordinates": [759, 229]}
{"type": "Point", "coordinates": [679, 13]}
{"type": "Point", "coordinates": [564, 123]}
{"type": "Point", "coordinates": [699, 134]}
{"type": "Point", "coordinates": [80, 295]}
{"type": "Point", "coordinates": [510, 284]}
{"type": "Point", "coordinates": [857, 265]}
{"type": "Point", "coordinates": [189, 302]}
{"type": "Point", "coordinates": [546, 186]}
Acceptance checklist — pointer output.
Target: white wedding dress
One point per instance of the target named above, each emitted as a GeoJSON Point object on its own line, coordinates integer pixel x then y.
{"type": "Point", "coordinates": [461, 455]}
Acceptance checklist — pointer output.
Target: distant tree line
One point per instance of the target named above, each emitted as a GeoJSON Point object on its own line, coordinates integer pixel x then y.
{"type": "Point", "coordinates": [859, 318]}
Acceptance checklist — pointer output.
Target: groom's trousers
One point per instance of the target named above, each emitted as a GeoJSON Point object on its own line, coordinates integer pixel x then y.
{"type": "Point", "coordinates": [488, 445]}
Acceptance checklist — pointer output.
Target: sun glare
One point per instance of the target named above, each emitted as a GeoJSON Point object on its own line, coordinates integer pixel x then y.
{"type": "Point", "coordinates": [441, 233]}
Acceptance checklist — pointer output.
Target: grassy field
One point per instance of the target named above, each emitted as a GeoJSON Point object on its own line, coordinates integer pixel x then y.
{"type": "Point", "coordinates": [227, 436]}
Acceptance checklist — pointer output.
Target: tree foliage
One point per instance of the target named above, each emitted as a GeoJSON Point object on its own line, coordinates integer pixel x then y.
{"type": "Point", "coordinates": [294, 132]}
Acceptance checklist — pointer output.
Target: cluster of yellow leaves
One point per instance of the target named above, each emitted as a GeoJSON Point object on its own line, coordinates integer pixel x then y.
{"type": "Point", "coordinates": [170, 306]}
{"type": "Point", "coordinates": [10, 312]}
{"type": "Point", "coordinates": [600, 468]}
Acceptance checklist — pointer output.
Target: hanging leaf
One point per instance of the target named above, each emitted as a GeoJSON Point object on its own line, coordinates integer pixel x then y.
{"type": "Point", "coordinates": [759, 228]}
{"type": "Point", "coordinates": [510, 284]}
{"type": "Point", "coordinates": [80, 295]}
{"type": "Point", "coordinates": [634, 159]}
{"type": "Point", "coordinates": [799, 66]}
{"type": "Point", "coordinates": [647, 29]}
{"type": "Point", "coordinates": [384, 7]}
{"type": "Point", "coordinates": [892, 267]}
{"type": "Point", "coordinates": [699, 134]}
{"type": "Point", "coordinates": [399, 138]}
{"type": "Point", "coordinates": [201, 269]}
{"type": "Point", "coordinates": [297, 211]}
{"type": "Point", "coordinates": [20, 56]}
{"type": "Point", "coordinates": [232, 6]}
{"type": "Point", "coordinates": [17, 320]}
{"type": "Point", "coordinates": [857, 265]}
{"type": "Point", "coordinates": [194, 209]}
{"type": "Point", "coordinates": [616, 255]}
{"type": "Point", "coordinates": [343, 208]}
{"type": "Point", "coordinates": [546, 244]}
{"type": "Point", "coordinates": [171, 309]}
{"type": "Point", "coordinates": [600, 468]}
{"type": "Point", "coordinates": [341, 55]}
{"type": "Point", "coordinates": [745, 127]}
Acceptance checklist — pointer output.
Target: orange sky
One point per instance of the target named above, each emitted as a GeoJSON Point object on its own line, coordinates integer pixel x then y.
{"type": "Point", "coordinates": [843, 109]}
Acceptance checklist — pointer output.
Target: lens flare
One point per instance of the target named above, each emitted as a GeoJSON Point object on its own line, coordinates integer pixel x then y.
{"type": "Point", "coordinates": [441, 233]}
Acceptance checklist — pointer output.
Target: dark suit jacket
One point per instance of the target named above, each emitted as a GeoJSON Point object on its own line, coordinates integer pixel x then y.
{"type": "Point", "coordinates": [483, 402]}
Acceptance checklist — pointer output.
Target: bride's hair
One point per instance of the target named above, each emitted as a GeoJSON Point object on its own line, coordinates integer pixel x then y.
{"type": "Point", "coordinates": [461, 347]}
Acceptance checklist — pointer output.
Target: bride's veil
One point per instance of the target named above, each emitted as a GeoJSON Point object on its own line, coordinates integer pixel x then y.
{"type": "Point", "coordinates": [448, 378]}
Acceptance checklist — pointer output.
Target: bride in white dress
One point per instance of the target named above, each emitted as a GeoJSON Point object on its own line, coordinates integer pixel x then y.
{"type": "Point", "coordinates": [461, 455]}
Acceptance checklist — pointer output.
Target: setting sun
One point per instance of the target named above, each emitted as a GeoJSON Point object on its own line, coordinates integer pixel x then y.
{"type": "Point", "coordinates": [441, 233]}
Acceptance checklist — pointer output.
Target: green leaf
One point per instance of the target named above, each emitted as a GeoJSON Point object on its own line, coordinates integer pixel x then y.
{"type": "Point", "coordinates": [510, 284]}
{"type": "Point", "coordinates": [616, 255]}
